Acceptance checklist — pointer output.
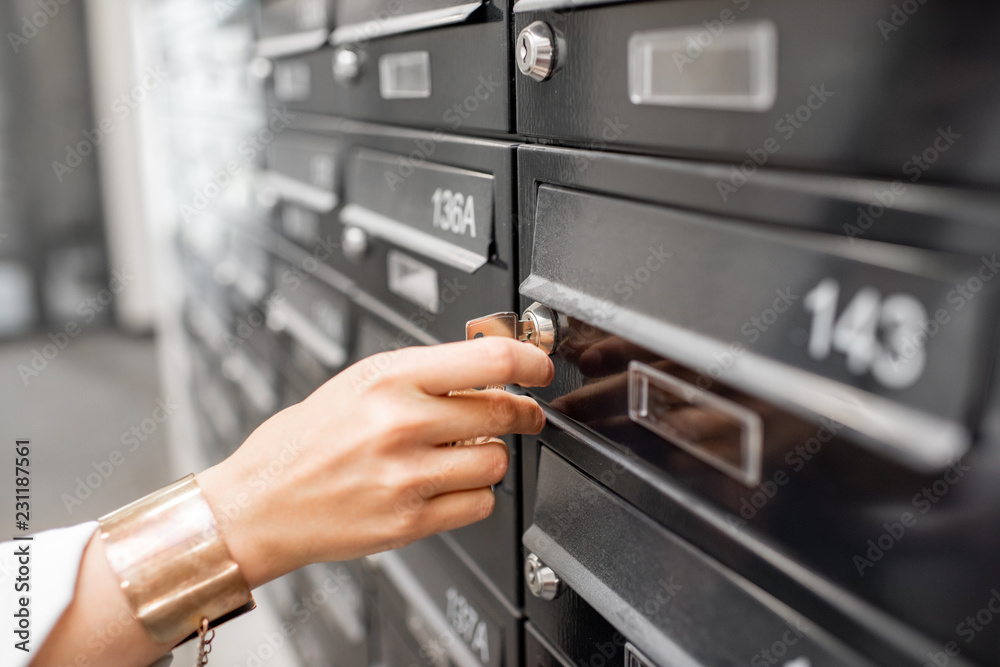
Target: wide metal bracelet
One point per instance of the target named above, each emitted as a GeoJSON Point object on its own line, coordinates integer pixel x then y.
{"type": "Point", "coordinates": [172, 563]}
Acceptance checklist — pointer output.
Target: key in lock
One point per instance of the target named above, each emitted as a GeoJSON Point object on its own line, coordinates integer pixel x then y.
{"type": "Point", "coordinates": [539, 326]}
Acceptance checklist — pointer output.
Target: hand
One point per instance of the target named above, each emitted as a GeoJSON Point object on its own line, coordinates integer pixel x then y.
{"type": "Point", "coordinates": [360, 466]}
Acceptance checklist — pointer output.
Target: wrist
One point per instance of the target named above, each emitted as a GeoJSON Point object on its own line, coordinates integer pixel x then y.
{"type": "Point", "coordinates": [240, 524]}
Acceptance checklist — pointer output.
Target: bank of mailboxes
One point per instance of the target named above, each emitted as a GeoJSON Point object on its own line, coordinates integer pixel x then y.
{"type": "Point", "coordinates": [758, 239]}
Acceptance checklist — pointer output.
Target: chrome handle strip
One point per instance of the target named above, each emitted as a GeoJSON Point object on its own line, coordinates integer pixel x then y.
{"type": "Point", "coordinates": [406, 236]}
{"type": "Point", "coordinates": [395, 25]}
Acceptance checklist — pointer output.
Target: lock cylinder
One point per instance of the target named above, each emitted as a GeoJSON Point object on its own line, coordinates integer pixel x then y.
{"type": "Point", "coordinates": [539, 325]}
{"type": "Point", "coordinates": [546, 326]}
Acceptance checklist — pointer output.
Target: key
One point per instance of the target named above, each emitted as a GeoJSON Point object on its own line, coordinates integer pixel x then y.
{"type": "Point", "coordinates": [497, 324]}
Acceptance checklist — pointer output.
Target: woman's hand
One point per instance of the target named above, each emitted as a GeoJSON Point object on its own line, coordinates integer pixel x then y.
{"type": "Point", "coordinates": [360, 466]}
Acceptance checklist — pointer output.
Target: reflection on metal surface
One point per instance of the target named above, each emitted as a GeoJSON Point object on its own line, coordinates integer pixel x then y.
{"type": "Point", "coordinates": [506, 325]}
{"type": "Point", "coordinates": [354, 243]}
{"type": "Point", "coordinates": [535, 51]}
{"type": "Point", "coordinates": [915, 438]}
{"type": "Point", "coordinates": [404, 75]}
{"type": "Point", "coordinates": [281, 317]}
{"type": "Point", "coordinates": [290, 189]}
{"type": "Point", "coordinates": [287, 45]}
{"type": "Point", "coordinates": [394, 25]}
{"type": "Point", "coordinates": [634, 658]}
{"type": "Point", "coordinates": [406, 236]}
{"type": "Point", "coordinates": [522, 6]}
{"type": "Point", "coordinates": [716, 430]}
{"type": "Point", "coordinates": [737, 70]}
{"type": "Point", "coordinates": [414, 281]}
{"type": "Point", "coordinates": [292, 80]}
{"type": "Point", "coordinates": [346, 65]}
{"type": "Point", "coordinates": [547, 326]}
{"type": "Point", "coordinates": [542, 580]}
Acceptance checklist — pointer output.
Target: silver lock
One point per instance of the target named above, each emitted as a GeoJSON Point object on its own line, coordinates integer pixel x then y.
{"type": "Point", "coordinates": [536, 51]}
{"type": "Point", "coordinates": [354, 243]}
{"type": "Point", "coordinates": [346, 65]}
{"type": "Point", "coordinates": [542, 581]}
{"type": "Point", "coordinates": [548, 326]}
{"type": "Point", "coordinates": [539, 325]}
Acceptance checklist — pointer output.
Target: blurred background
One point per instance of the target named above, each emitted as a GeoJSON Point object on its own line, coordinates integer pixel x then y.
{"type": "Point", "coordinates": [93, 179]}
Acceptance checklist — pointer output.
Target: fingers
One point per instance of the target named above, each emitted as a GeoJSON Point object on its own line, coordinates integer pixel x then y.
{"type": "Point", "coordinates": [612, 355]}
{"type": "Point", "coordinates": [455, 510]}
{"type": "Point", "coordinates": [449, 469]}
{"type": "Point", "coordinates": [604, 398]}
{"type": "Point", "coordinates": [478, 414]}
{"type": "Point", "coordinates": [477, 363]}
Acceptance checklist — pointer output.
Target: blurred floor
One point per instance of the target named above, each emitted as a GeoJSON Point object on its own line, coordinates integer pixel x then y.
{"type": "Point", "coordinates": [98, 395]}
{"type": "Point", "coordinates": [81, 408]}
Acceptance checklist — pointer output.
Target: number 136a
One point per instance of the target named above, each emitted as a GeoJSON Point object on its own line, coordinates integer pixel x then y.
{"type": "Point", "coordinates": [881, 336]}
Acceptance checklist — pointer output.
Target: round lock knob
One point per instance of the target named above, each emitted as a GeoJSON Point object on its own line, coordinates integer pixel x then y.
{"type": "Point", "coordinates": [547, 326]}
{"type": "Point", "coordinates": [261, 67]}
{"type": "Point", "coordinates": [346, 65]}
{"type": "Point", "coordinates": [535, 51]}
{"type": "Point", "coordinates": [542, 581]}
{"type": "Point", "coordinates": [354, 243]}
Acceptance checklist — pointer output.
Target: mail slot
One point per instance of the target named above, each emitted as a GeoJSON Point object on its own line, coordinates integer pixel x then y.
{"type": "Point", "coordinates": [293, 26]}
{"type": "Point", "coordinates": [426, 226]}
{"type": "Point", "coordinates": [304, 170]}
{"type": "Point", "coordinates": [755, 83]}
{"type": "Point", "coordinates": [651, 604]}
{"type": "Point", "coordinates": [304, 175]}
{"type": "Point", "coordinates": [766, 309]}
{"type": "Point", "coordinates": [442, 65]}
{"type": "Point", "coordinates": [315, 317]}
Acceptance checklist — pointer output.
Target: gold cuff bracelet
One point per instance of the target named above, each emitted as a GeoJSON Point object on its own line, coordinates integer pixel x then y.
{"type": "Point", "coordinates": [172, 563]}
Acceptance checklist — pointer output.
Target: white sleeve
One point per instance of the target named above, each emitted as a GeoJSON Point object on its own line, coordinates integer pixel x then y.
{"type": "Point", "coordinates": [41, 571]}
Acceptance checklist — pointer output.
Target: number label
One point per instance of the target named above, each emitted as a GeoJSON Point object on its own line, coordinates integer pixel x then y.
{"type": "Point", "coordinates": [883, 337]}
{"type": "Point", "coordinates": [454, 212]}
{"type": "Point", "coordinates": [465, 621]}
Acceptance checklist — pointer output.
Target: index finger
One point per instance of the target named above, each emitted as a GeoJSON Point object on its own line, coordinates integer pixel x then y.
{"type": "Point", "coordinates": [477, 363]}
